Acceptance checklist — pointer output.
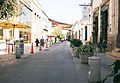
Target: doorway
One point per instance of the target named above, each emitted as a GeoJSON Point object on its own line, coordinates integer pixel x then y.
{"type": "Point", "coordinates": [103, 31]}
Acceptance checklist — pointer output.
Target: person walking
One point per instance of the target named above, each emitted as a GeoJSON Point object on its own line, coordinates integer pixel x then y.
{"type": "Point", "coordinates": [42, 42]}
{"type": "Point", "coordinates": [37, 42]}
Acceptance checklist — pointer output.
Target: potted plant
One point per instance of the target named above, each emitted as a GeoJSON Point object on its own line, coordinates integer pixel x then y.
{"type": "Point", "coordinates": [76, 54]}
{"type": "Point", "coordinates": [74, 44]}
{"type": "Point", "coordinates": [85, 51]}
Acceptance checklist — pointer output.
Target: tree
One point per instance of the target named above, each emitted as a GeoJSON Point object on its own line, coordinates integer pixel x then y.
{"type": "Point", "coordinates": [9, 8]}
{"type": "Point", "coordinates": [57, 31]}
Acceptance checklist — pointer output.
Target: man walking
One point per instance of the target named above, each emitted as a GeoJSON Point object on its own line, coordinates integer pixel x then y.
{"type": "Point", "coordinates": [42, 42]}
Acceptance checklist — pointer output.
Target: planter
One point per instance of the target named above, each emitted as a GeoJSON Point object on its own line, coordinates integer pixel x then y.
{"type": "Point", "coordinates": [84, 57]}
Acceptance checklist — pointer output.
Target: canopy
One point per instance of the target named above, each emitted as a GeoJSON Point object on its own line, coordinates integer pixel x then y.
{"type": "Point", "coordinates": [13, 24]}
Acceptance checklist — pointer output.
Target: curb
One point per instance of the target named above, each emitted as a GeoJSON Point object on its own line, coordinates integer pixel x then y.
{"type": "Point", "coordinates": [114, 55]}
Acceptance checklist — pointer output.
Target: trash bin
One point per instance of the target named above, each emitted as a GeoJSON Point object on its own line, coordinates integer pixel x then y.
{"type": "Point", "coordinates": [21, 46]}
{"type": "Point", "coordinates": [17, 53]}
{"type": "Point", "coordinates": [94, 75]}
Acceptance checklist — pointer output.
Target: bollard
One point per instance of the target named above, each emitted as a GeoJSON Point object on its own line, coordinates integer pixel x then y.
{"type": "Point", "coordinates": [21, 46]}
{"type": "Point", "coordinates": [17, 49]}
{"type": "Point", "coordinates": [94, 74]}
{"type": "Point", "coordinates": [40, 47]}
{"type": "Point", "coordinates": [8, 48]}
{"type": "Point", "coordinates": [32, 50]}
{"type": "Point", "coordinates": [46, 44]}
{"type": "Point", "coordinates": [12, 47]}
{"type": "Point", "coordinates": [18, 56]}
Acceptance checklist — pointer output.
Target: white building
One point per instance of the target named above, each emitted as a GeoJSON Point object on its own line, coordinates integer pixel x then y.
{"type": "Point", "coordinates": [82, 29]}
{"type": "Point", "coordinates": [34, 16]}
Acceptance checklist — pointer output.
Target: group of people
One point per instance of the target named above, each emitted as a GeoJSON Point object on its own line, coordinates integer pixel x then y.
{"type": "Point", "coordinates": [41, 42]}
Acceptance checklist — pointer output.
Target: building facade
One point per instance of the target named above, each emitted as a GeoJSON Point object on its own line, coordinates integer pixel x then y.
{"type": "Point", "coordinates": [34, 16]}
{"type": "Point", "coordinates": [40, 21]}
{"type": "Point", "coordinates": [82, 28]}
{"type": "Point", "coordinates": [105, 22]}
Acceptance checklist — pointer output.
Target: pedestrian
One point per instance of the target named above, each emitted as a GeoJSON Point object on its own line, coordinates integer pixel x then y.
{"type": "Point", "coordinates": [37, 42]}
{"type": "Point", "coordinates": [42, 42]}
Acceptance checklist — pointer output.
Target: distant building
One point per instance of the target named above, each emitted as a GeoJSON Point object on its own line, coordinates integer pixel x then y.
{"type": "Point", "coordinates": [64, 27]}
{"type": "Point", "coordinates": [82, 28]}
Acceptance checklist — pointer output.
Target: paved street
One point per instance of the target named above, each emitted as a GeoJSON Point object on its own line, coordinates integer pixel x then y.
{"type": "Point", "coordinates": [55, 65]}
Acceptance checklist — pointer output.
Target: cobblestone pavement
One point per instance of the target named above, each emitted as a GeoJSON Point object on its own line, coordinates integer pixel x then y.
{"type": "Point", "coordinates": [54, 65]}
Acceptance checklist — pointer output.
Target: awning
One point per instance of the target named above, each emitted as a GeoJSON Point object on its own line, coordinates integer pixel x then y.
{"type": "Point", "coordinates": [12, 24]}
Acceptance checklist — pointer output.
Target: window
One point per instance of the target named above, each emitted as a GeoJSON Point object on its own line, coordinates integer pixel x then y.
{"type": "Point", "coordinates": [85, 32]}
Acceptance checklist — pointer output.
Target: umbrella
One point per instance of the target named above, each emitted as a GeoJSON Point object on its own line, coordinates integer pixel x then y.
{"type": "Point", "coordinates": [13, 24]}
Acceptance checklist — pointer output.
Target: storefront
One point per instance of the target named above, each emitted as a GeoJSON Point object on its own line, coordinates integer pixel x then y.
{"type": "Point", "coordinates": [26, 18]}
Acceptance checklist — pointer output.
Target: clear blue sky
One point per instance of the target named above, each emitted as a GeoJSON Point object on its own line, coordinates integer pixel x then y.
{"type": "Point", "coordinates": [66, 11]}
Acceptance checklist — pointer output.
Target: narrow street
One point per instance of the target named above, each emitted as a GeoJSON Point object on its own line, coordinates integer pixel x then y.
{"type": "Point", "coordinates": [55, 65]}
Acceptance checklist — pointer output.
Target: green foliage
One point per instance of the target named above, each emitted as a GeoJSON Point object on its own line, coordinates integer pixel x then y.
{"type": "Point", "coordinates": [115, 73]}
{"type": "Point", "coordinates": [71, 45]}
{"type": "Point", "coordinates": [77, 52]}
{"type": "Point", "coordinates": [72, 41]}
{"type": "Point", "coordinates": [76, 42]}
{"type": "Point", "coordinates": [57, 31]}
{"type": "Point", "coordinates": [9, 8]}
{"type": "Point", "coordinates": [86, 49]}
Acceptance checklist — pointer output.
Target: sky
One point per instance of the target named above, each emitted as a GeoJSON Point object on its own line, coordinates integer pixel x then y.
{"type": "Point", "coordinates": [66, 11]}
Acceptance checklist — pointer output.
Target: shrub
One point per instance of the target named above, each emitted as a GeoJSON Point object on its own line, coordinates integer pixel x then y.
{"type": "Point", "coordinates": [77, 52]}
{"type": "Point", "coordinates": [71, 45]}
{"type": "Point", "coordinates": [115, 73]}
{"type": "Point", "coordinates": [76, 42]}
{"type": "Point", "coordinates": [86, 48]}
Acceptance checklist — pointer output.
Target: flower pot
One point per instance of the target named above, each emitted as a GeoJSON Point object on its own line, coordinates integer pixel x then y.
{"type": "Point", "coordinates": [84, 57]}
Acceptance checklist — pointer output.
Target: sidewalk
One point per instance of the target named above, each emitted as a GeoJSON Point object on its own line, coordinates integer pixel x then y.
{"type": "Point", "coordinates": [105, 62]}
{"type": "Point", "coordinates": [9, 58]}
